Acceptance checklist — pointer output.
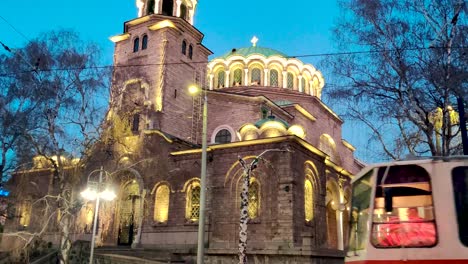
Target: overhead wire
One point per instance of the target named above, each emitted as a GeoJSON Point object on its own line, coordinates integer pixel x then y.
{"type": "Point", "coordinates": [206, 62]}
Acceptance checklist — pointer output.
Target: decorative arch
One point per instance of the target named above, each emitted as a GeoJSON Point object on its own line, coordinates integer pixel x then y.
{"type": "Point", "coordinates": [237, 77]}
{"type": "Point", "coordinates": [223, 127]}
{"type": "Point", "coordinates": [312, 187]}
{"type": "Point", "coordinates": [332, 202]}
{"type": "Point", "coordinates": [328, 145]}
{"type": "Point", "coordinates": [219, 78]}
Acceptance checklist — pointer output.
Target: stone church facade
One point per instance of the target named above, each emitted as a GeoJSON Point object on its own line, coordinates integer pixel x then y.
{"type": "Point", "coordinates": [258, 99]}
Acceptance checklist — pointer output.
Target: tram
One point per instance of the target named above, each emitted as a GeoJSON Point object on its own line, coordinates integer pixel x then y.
{"type": "Point", "coordinates": [413, 211]}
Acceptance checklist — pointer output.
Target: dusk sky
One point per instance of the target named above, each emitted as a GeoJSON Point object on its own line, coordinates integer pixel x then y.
{"type": "Point", "coordinates": [295, 28]}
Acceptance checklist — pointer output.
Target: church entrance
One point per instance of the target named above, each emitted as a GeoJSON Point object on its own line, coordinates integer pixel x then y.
{"type": "Point", "coordinates": [129, 213]}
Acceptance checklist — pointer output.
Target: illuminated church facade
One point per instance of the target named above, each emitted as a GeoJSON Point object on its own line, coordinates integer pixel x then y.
{"type": "Point", "coordinates": [258, 99]}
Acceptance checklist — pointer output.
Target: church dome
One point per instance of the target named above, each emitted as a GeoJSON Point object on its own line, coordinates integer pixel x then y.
{"type": "Point", "coordinates": [263, 67]}
{"type": "Point", "coordinates": [254, 50]}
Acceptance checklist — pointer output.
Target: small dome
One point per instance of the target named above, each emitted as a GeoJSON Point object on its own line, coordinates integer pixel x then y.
{"type": "Point", "coordinates": [261, 122]}
{"type": "Point", "coordinates": [246, 52]}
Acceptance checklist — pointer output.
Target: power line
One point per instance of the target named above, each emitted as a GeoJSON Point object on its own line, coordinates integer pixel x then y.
{"type": "Point", "coordinates": [17, 31]}
{"type": "Point", "coordinates": [206, 62]}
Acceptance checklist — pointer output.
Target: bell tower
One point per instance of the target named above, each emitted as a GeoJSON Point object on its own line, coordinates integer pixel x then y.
{"type": "Point", "coordinates": [158, 56]}
{"type": "Point", "coordinates": [184, 9]}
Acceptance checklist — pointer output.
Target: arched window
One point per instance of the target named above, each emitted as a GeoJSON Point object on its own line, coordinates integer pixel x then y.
{"type": "Point", "coordinates": [254, 199]}
{"type": "Point", "coordinates": [190, 51]}
{"type": "Point", "coordinates": [192, 211]}
{"type": "Point", "coordinates": [184, 47]}
{"type": "Point", "coordinates": [144, 42]}
{"type": "Point", "coordinates": [255, 76]}
{"type": "Point", "coordinates": [183, 11]}
{"type": "Point", "coordinates": [223, 136]}
{"type": "Point", "coordinates": [168, 7]}
{"type": "Point", "coordinates": [308, 201]}
{"type": "Point", "coordinates": [221, 75]}
{"type": "Point", "coordinates": [136, 44]}
{"type": "Point", "coordinates": [25, 213]}
{"type": "Point", "coordinates": [274, 78]}
{"type": "Point", "coordinates": [150, 9]}
{"type": "Point", "coordinates": [303, 84]}
{"type": "Point", "coordinates": [238, 77]}
{"type": "Point", "coordinates": [161, 203]}
{"type": "Point", "coordinates": [290, 83]}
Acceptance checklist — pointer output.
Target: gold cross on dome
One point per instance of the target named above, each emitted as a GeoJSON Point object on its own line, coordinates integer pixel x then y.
{"type": "Point", "coordinates": [254, 41]}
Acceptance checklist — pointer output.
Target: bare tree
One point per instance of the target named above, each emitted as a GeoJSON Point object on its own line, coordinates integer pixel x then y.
{"type": "Point", "coordinates": [69, 99]}
{"type": "Point", "coordinates": [409, 67]}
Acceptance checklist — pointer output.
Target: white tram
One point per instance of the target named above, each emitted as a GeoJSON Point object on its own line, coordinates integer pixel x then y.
{"type": "Point", "coordinates": [410, 212]}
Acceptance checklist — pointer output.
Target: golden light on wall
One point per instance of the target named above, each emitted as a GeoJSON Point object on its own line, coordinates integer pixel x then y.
{"type": "Point", "coordinates": [308, 200]}
{"type": "Point", "coordinates": [297, 131]}
{"type": "Point", "coordinates": [161, 25]}
{"type": "Point", "coordinates": [25, 213]}
{"type": "Point", "coordinates": [272, 129]}
{"type": "Point", "coordinates": [161, 204]}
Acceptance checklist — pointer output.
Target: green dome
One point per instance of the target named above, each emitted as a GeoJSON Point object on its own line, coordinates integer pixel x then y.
{"type": "Point", "coordinates": [245, 52]}
{"type": "Point", "coordinates": [271, 118]}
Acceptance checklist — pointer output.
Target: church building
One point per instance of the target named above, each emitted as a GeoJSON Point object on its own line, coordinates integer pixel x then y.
{"type": "Point", "coordinates": [259, 101]}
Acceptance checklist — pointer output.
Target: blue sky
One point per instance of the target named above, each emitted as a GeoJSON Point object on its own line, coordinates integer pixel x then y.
{"type": "Point", "coordinates": [295, 28]}
{"type": "Point", "coordinates": [299, 27]}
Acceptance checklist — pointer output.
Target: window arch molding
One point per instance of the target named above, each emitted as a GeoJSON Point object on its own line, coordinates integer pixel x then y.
{"type": "Point", "coordinates": [218, 129]}
{"type": "Point", "coordinates": [192, 190]}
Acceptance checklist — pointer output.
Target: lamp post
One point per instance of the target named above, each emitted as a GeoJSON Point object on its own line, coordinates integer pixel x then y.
{"type": "Point", "coordinates": [201, 221]}
{"type": "Point", "coordinates": [93, 191]}
{"type": "Point", "coordinates": [244, 208]}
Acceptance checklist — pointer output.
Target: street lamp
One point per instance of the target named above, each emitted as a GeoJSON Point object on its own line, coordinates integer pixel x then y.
{"type": "Point", "coordinates": [93, 192]}
{"type": "Point", "coordinates": [193, 89]}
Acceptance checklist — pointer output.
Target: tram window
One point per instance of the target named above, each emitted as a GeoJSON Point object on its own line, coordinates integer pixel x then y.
{"type": "Point", "coordinates": [403, 209]}
{"type": "Point", "coordinates": [360, 200]}
{"type": "Point", "coordinates": [460, 191]}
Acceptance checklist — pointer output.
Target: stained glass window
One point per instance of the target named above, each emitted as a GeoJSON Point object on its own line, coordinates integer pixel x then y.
{"type": "Point", "coordinates": [255, 76]}
{"type": "Point", "coordinates": [308, 200]}
{"type": "Point", "coordinates": [220, 79]}
{"type": "Point", "coordinates": [290, 83]}
{"type": "Point", "coordinates": [254, 197]}
{"type": "Point", "coordinates": [161, 204]}
{"type": "Point", "coordinates": [274, 78]}
{"type": "Point", "coordinates": [238, 77]}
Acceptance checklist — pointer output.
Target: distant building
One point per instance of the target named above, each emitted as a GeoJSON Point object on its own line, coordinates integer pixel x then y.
{"type": "Point", "coordinates": [258, 99]}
